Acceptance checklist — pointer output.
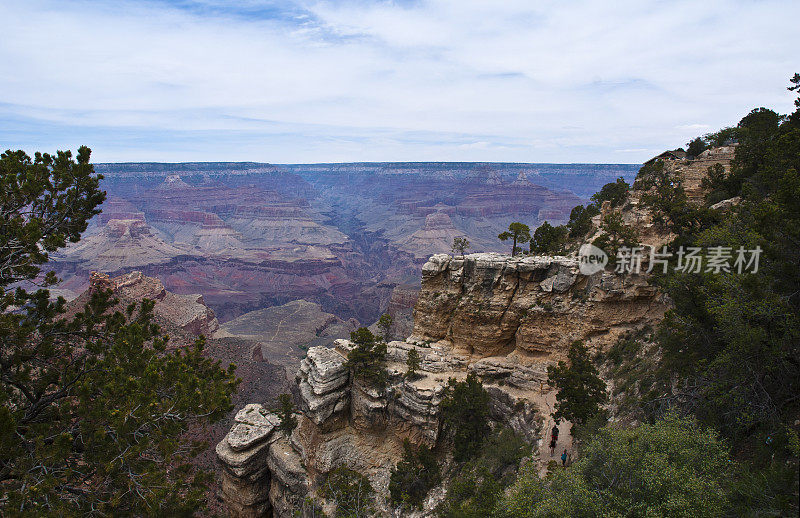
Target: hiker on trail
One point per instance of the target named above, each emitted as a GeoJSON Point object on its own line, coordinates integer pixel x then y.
{"type": "Point", "coordinates": [564, 458]}
{"type": "Point", "coordinates": [553, 439]}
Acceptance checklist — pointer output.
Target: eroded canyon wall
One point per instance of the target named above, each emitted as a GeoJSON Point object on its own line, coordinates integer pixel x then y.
{"type": "Point", "coordinates": [505, 319]}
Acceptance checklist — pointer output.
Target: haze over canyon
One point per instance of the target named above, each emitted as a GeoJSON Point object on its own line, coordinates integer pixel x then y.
{"type": "Point", "coordinates": [249, 236]}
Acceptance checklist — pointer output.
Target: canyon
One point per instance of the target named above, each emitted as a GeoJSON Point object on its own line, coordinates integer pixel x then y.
{"type": "Point", "coordinates": [505, 319]}
{"type": "Point", "coordinates": [250, 236]}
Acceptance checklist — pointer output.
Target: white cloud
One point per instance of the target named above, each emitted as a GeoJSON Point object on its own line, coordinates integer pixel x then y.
{"type": "Point", "coordinates": [436, 80]}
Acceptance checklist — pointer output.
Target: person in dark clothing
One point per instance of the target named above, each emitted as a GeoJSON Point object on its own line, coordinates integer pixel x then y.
{"type": "Point", "coordinates": [554, 433]}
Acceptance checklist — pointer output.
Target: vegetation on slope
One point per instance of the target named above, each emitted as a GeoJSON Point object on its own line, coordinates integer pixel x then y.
{"type": "Point", "coordinates": [714, 389]}
{"type": "Point", "coordinates": [94, 409]}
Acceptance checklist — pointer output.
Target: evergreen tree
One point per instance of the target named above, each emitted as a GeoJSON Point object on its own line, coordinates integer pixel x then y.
{"type": "Point", "coordinates": [548, 239]}
{"type": "Point", "coordinates": [580, 220]}
{"type": "Point", "coordinates": [385, 325]}
{"type": "Point", "coordinates": [465, 415]}
{"type": "Point", "coordinates": [519, 233]}
{"type": "Point", "coordinates": [413, 362]}
{"type": "Point", "coordinates": [351, 491]}
{"type": "Point", "coordinates": [414, 476]}
{"type": "Point", "coordinates": [94, 408]}
{"type": "Point", "coordinates": [286, 414]}
{"type": "Point", "coordinates": [616, 234]}
{"type": "Point", "coordinates": [615, 193]}
{"type": "Point", "coordinates": [460, 245]}
{"type": "Point", "coordinates": [581, 392]}
{"type": "Point", "coordinates": [367, 360]}
{"type": "Point", "coordinates": [695, 147]}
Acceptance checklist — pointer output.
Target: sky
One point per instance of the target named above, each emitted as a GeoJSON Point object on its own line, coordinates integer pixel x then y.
{"type": "Point", "coordinates": [441, 80]}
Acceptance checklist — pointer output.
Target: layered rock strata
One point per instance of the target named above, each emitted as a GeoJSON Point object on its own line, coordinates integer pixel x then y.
{"type": "Point", "coordinates": [505, 319]}
{"type": "Point", "coordinates": [526, 308]}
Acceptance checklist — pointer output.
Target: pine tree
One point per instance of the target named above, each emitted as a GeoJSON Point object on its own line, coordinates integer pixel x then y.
{"type": "Point", "coordinates": [518, 233]}
{"type": "Point", "coordinates": [367, 360]}
{"type": "Point", "coordinates": [94, 408]}
{"type": "Point", "coordinates": [580, 389]}
{"type": "Point", "coordinates": [413, 362]}
{"type": "Point", "coordinates": [286, 414]}
{"type": "Point", "coordinates": [465, 415]}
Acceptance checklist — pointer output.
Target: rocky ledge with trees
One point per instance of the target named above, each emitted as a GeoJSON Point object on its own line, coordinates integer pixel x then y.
{"type": "Point", "coordinates": [682, 386]}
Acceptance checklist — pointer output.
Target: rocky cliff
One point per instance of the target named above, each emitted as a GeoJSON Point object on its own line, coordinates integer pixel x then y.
{"type": "Point", "coordinates": [187, 315]}
{"type": "Point", "coordinates": [504, 318]}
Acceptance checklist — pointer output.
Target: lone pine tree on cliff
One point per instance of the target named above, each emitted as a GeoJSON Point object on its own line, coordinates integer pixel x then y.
{"type": "Point", "coordinates": [519, 233]}
{"type": "Point", "coordinates": [93, 408]}
{"type": "Point", "coordinates": [460, 245]}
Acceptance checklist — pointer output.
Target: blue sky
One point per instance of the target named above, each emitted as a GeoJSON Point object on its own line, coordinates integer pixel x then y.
{"type": "Point", "coordinates": [321, 81]}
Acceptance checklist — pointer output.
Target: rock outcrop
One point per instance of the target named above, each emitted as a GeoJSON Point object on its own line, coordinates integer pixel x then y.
{"type": "Point", "coordinates": [321, 381]}
{"type": "Point", "coordinates": [526, 308]}
{"type": "Point", "coordinates": [244, 455]}
{"type": "Point", "coordinates": [187, 314]}
{"type": "Point", "coordinates": [504, 319]}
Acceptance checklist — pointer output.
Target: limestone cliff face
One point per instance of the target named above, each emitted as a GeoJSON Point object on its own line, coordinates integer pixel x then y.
{"type": "Point", "coordinates": [526, 309]}
{"type": "Point", "coordinates": [505, 319]}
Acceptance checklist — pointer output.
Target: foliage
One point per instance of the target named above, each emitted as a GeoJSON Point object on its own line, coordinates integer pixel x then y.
{"type": "Point", "coordinates": [413, 362]}
{"type": "Point", "coordinates": [794, 118]}
{"type": "Point", "coordinates": [519, 233]}
{"type": "Point", "coordinates": [465, 415]}
{"type": "Point", "coordinates": [548, 239]}
{"type": "Point", "coordinates": [757, 133]}
{"type": "Point", "coordinates": [460, 245]}
{"type": "Point", "coordinates": [367, 359]}
{"type": "Point", "coordinates": [580, 220]}
{"type": "Point", "coordinates": [671, 468]}
{"type": "Point", "coordinates": [729, 350]}
{"type": "Point", "coordinates": [615, 193]}
{"type": "Point", "coordinates": [286, 414]}
{"type": "Point", "coordinates": [415, 475]}
{"type": "Point", "coordinates": [721, 137]}
{"type": "Point", "coordinates": [478, 486]}
{"type": "Point", "coordinates": [93, 406]}
{"type": "Point", "coordinates": [45, 202]}
{"type": "Point", "coordinates": [695, 147]}
{"type": "Point", "coordinates": [385, 325]}
{"type": "Point", "coordinates": [664, 196]}
{"type": "Point", "coordinates": [733, 338]}
{"type": "Point", "coordinates": [716, 183]}
{"type": "Point", "coordinates": [351, 491]}
{"type": "Point", "coordinates": [616, 235]}
{"type": "Point", "coordinates": [472, 494]}
{"type": "Point", "coordinates": [502, 453]}
{"type": "Point", "coordinates": [581, 392]}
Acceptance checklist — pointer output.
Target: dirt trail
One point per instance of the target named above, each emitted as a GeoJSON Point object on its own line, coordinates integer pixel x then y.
{"type": "Point", "coordinates": [542, 457]}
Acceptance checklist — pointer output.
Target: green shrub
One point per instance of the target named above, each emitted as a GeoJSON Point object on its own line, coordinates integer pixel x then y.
{"type": "Point", "coordinates": [351, 491]}
{"type": "Point", "coordinates": [415, 475]}
{"type": "Point", "coordinates": [465, 416]}
{"type": "Point", "coordinates": [367, 360]}
{"type": "Point", "coordinates": [671, 468]}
